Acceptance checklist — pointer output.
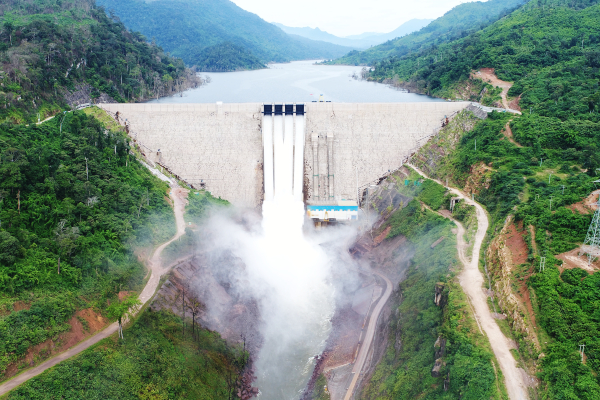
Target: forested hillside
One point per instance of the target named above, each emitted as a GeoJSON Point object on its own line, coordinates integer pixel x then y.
{"type": "Point", "coordinates": [550, 51]}
{"type": "Point", "coordinates": [227, 57]}
{"type": "Point", "coordinates": [459, 22]}
{"type": "Point", "coordinates": [423, 333]}
{"type": "Point", "coordinates": [186, 27]}
{"type": "Point", "coordinates": [75, 205]}
{"type": "Point", "coordinates": [79, 213]}
{"type": "Point", "coordinates": [55, 54]}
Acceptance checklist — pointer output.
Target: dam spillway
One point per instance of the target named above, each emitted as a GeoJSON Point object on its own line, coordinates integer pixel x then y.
{"type": "Point", "coordinates": [221, 147]}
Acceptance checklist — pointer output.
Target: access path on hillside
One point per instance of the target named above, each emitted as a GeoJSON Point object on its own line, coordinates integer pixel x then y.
{"type": "Point", "coordinates": [179, 197]}
{"type": "Point", "coordinates": [489, 75]}
{"type": "Point", "coordinates": [369, 335]}
{"type": "Point", "coordinates": [471, 280]}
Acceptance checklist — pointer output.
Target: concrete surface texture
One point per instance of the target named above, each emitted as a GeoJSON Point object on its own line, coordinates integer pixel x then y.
{"type": "Point", "coordinates": [217, 145]}
{"type": "Point", "coordinates": [221, 145]}
{"type": "Point", "coordinates": [364, 139]}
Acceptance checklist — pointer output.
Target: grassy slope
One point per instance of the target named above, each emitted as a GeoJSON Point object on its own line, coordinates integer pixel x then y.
{"type": "Point", "coordinates": [456, 23]}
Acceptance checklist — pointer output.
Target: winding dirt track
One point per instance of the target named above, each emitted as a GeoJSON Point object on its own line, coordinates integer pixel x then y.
{"type": "Point", "coordinates": [471, 281]}
{"type": "Point", "coordinates": [178, 195]}
{"type": "Point", "coordinates": [369, 335]}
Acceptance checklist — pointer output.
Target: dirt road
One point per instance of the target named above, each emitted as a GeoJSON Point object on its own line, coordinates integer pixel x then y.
{"type": "Point", "coordinates": [178, 196]}
{"type": "Point", "coordinates": [489, 75]}
{"type": "Point", "coordinates": [471, 280]}
{"type": "Point", "coordinates": [369, 335]}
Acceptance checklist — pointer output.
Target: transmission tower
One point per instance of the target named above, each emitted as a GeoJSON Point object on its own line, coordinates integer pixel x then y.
{"type": "Point", "coordinates": [591, 246]}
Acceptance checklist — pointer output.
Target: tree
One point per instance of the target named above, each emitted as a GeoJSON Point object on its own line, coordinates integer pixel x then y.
{"type": "Point", "coordinates": [124, 309]}
{"type": "Point", "coordinates": [196, 307]}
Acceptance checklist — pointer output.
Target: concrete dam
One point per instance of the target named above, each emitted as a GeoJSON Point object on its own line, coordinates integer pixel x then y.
{"type": "Point", "coordinates": [227, 149]}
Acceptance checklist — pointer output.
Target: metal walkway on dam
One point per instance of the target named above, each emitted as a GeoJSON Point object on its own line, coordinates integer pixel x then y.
{"type": "Point", "coordinates": [219, 147]}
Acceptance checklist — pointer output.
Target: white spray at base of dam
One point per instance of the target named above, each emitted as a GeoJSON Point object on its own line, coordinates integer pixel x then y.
{"type": "Point", "coordinates": [296, 299]}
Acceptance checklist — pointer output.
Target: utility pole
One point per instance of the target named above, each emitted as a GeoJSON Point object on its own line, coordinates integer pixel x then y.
{"type": "Point", "coordinates": [550, 203]}
{"type": "Point", "coordinates": [541, 159]}
{"type": "Point", "coordinates": [475, 144]}
{"type": "Point", "coordinates": [542, 264]}
{"type": "Point", "coordinates": [563, 189]}
{"type": "Point", "coordinates": [549, 176]}
{"type": "Point", "coordinates": [581, 350]}
{"type": "Point", "coordinates": [63, 119]}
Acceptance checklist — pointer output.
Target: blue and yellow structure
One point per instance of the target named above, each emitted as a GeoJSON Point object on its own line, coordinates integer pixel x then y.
{"type": "Point", "coordinates": [340, 211]}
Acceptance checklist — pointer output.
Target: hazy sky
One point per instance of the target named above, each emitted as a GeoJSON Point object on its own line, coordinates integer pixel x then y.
{"type": "Point", "coordinates": [347, 17]}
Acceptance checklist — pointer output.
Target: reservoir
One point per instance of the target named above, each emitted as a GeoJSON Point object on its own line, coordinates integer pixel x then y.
{"type": "Point", "coordinates": [298, 81]}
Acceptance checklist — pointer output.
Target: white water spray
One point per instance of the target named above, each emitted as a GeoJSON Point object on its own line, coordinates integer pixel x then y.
{"type": "Point", "coordinates": [295, 298]}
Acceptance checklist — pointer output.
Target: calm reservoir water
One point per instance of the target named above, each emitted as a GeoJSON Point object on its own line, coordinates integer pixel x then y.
{"type": "Point", "coordinates": [299, 81]}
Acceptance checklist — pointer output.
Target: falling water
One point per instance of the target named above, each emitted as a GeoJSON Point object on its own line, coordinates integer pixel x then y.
{"type": "Point", "coordinates": [297, 299]}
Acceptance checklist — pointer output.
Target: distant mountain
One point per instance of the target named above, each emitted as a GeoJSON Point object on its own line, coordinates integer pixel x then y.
{"type": "Point", "coordinates": [226, 57]}
{"type": "Point", "coordinates": [186, 27]}
{"type": "Point", "coordinates": [456, 23]}
{"type": "Point", "coordinates": [362, 41]}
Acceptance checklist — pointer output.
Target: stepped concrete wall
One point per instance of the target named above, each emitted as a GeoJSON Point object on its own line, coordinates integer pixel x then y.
{"type": "Point", "coordinates": [219, 146]}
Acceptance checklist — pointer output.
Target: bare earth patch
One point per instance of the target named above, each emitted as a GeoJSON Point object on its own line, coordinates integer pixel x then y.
{"type": "Point", "coordinates": [49, 348]}
{"type": "Point", "coordinates": [516, 244]}
{"type": "Point", "coordinates": [489, 75]}
{"type": "Point", "coordinates": [587, 205]}
{"type": "Point", "coordinates": [572, 259]}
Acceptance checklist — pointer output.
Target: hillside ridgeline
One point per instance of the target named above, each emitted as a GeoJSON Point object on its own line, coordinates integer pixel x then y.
{"type": "Point", "coordinates": [186, 27]}
{"type": "Point", "coordinates": [59, 54]}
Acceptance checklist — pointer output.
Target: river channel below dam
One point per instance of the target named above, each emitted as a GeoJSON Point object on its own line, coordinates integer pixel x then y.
{"type": "Point", "coordinates": [300, 287]}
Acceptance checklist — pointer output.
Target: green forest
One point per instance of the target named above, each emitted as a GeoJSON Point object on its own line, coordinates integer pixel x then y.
{"type": "Point", "coordinates": [50, 50]}
{"type": "Point", "coordinates": [549, 50]}
{"type": "Point", "coordinates": [226, 57]}
{"type": "Point", "coordinates": [155, 361]}
{"type": "Point", "coordinates": [459, 22]}
{"type": "Point", "coordinates": [75, 205]}
{"type": "Point", "coordinates": [536, 179]}
{"type": "Point", "coordinates": [186, 28]}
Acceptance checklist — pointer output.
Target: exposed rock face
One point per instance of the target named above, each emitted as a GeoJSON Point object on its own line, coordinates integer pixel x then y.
{"type": "Point", "coordinates": [439, 299]}
{"type": "Point", "coordinates": [440, 352]}
{"type": "Point", "coordinates": [501, 264]}
{"type": "Point", "coordinates": [83, 94]}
